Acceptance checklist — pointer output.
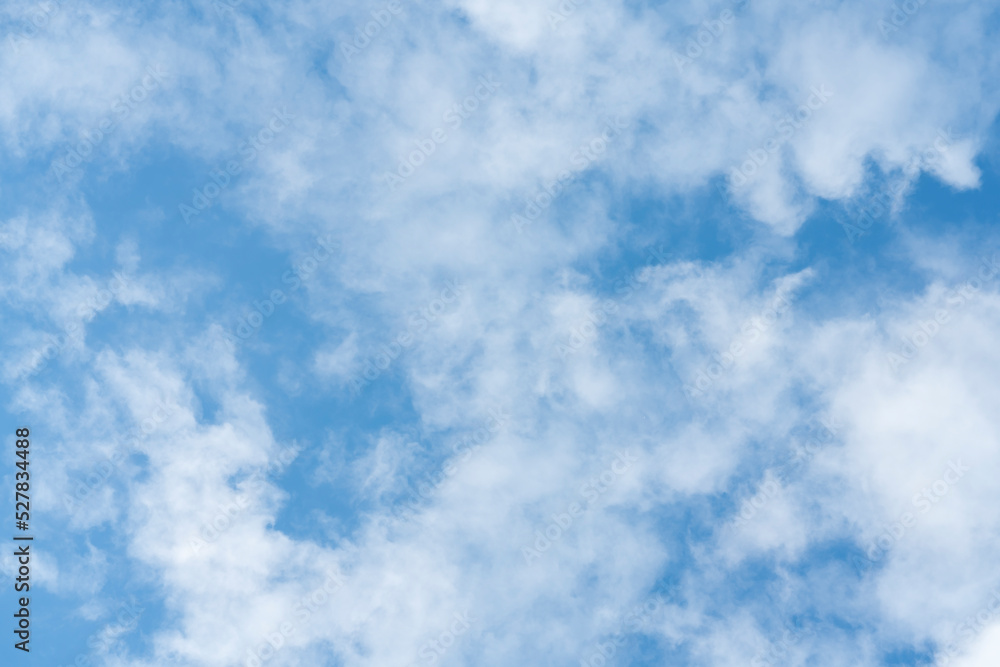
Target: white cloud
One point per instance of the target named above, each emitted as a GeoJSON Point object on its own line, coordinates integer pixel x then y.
{"type": "Point", "coordinates": [406, 576]}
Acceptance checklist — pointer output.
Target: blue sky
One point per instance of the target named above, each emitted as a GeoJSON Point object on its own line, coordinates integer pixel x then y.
{"type": "Point", "coordinates": [508, 333]}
